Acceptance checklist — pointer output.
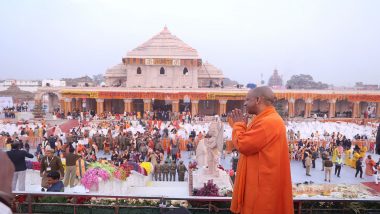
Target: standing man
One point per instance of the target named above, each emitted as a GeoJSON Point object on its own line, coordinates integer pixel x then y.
{"type": "Point", "coordinates": [308, 163]}
{"type": "Point", "coordinates": [165, 171]}
{"type": "Point", "coordinates": [71, 160]}
{"type": "Point", "coordinates": [263, 180]}
{"type": "Point", "coordinates": [17, 157]}
{"type": "Point", "coordinates": [338, 165]}
{"type": "Point", "coordinates": [181, 171]}
{"type": "Point", "coordinates": [328, 168]}
{"type": "Point", "coordinates": [173, 170]}
{"type": "Point", "coordinates": [50, 163]}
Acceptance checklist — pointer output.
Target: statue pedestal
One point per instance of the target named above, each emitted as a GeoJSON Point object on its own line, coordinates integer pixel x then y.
{"type": "Point", "coordinates": [200, 177]}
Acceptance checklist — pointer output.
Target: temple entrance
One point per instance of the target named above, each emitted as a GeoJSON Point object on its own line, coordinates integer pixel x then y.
{"type": "Point", "coordinates": [299, 108]}
{"type": "Point", "coordinates": [50, 102]}
{"type": "Point", "coordinates": [184, 106]}
{"type": "Point", "coordinates": [162, 105]}
{"type": "Point", "coordinates": [208, 107]}
{"type": "Point", "coordinates": [233, 104]}
{"type": "Point", "coordinates": [90, 104]}
{"type": "Point", "coordinates": [138, 105]}
{"type": "Point", "coordinates": [282, 107]}
{"type": "Point", "coordinates": [320, 108]}
{"type": "Point", "coordinates": [343, 109]}
{"type": "Point", "coordinates": [117, 106]}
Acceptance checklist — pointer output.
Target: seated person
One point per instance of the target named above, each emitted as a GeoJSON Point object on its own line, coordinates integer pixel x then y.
{"type": "Point", "coordinates": [55, 185]}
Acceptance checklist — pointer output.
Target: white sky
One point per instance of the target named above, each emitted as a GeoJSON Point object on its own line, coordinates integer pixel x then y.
{"type": "Point", "coordinates": [335, 41]}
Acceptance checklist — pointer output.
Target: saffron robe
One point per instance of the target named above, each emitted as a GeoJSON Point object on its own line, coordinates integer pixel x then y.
{"type": "Point", "coordinates": [263, 180]}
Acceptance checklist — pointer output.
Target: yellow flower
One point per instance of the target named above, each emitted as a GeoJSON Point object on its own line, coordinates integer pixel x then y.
{"type": "Point", "coordinates": [147, 166]}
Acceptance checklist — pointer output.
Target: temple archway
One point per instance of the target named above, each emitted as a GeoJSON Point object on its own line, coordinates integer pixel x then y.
{"type": "Point", "coordinates": [184, 106]}
{"type": "Point", "coordinates": [208, 107]}
{"type": "Point", "coordinates": [233, 104]}
{"type": "Point", "coordinates": [299, 108]}
{"type": "Point", "coordinates": [50, 102]}
{"type": "Point", "coordinates": [320, 107]}
{"type": "Point", "coordinates": [162, 105]}
{"type": "Point", "coordinates": [281, 106]}
{"type": "Point", "coordinates": [138, 105]}
{"type": "Point", "coordinates": [343, 108]}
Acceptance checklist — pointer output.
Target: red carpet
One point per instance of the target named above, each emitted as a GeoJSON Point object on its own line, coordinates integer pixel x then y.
{"type": "Point", "coordinates": [373, 186]}
{"type": "Point", "coordinates": [65, 127]}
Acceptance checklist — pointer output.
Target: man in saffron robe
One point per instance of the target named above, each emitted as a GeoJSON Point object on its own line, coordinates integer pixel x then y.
{"type": "Point", "coordinates": [263, 181]}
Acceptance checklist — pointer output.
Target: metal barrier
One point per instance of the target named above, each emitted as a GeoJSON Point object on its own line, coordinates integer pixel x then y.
{"type": "Point", "coordinates": [200, 204]}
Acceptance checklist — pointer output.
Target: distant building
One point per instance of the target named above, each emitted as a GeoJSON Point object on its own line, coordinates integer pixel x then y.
{"type": "Point", "coordinates": [53, 83]}
{"type": "Point", "coordinates": [25, 85]}
{"type": "Point", "coordinates": [362, 86]}
{"type": "Point", "coordinates": [275, 81]}
{"type": "Point", "coordinates": [84, 81]}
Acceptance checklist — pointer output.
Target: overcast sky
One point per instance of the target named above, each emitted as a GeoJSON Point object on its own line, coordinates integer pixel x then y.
{"type": "Point", "coordinates": [335, 41]}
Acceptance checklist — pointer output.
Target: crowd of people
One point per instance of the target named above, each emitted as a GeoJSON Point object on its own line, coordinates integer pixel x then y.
{"type": "Point", "coordinates": [118, 139]}
{"type": "Point", "coordinates": [334, 149]}
{"type": "Point", "coordinates": [10, 111]}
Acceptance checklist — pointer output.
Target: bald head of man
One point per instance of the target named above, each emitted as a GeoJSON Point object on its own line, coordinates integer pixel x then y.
{"type": "Point", "coordinates": [258, 99]}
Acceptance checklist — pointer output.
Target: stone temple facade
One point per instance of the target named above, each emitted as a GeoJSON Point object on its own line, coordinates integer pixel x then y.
{"type": "Point", "coordinates": [164, 61]}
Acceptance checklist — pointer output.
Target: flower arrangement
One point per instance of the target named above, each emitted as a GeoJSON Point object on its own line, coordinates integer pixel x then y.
{"type": "Point", "coordinates": [105, 166]}
{"type": "Point", "coordinates": [193, 165]}
{"type": "Point", "coordinates": [127, 168]}
{"type": "Point", "coordinates": [208, 189]}
{"type": "Point", "coordinates": [225, 192]}
{"type": "Point", "coordinates": [147, 166]}
{"type": "Point", "coordinates": [91, 177]}
{"type": "Point", "coordinates": [120, 174]}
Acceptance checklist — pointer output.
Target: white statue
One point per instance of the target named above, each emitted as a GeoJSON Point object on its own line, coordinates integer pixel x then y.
{"type": "Point", "coordinates": [214, 144]}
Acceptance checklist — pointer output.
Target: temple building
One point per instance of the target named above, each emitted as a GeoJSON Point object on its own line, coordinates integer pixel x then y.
{"type": "Point", "coordinates": [165, 73]}
{"type": "Point", "coordinates": [275, 81]}
{"type": "Point", "coordinates": [164, 61]}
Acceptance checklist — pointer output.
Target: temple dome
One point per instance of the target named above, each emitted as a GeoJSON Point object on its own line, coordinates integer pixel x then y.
{"type": "Point", "coordinates": [275, 80]}
{"type": "Point", "coordinates": [118, 70]}
{"type": "Point", "coordinates": [164, 45]}
{"type": "Point", "coordinates": [208, 70]}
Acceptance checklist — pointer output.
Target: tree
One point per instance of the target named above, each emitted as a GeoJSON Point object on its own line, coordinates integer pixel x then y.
{"type": "Point", "coordinates": [98, 79]}
{"type": "Point", "coordinates": [304, 81]}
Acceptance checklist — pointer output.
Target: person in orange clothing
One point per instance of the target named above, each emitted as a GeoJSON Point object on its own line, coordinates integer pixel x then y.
{"type": "Point", "coordinates": [263, 180]}
{"type": "Point", "coordinates": [369, 166]}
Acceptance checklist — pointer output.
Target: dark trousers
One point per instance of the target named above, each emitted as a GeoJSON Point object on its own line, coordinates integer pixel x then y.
{"type": "Point", "coordinates": [303, 162]}
{"type": "Point", "coordinates": [337, 170]}
{"type": "Point", "coordinates": [313, 162]}
{"type": "Point", "coordinates": [359, 169]}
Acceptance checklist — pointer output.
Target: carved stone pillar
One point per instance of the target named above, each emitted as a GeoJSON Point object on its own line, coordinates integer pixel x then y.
{"type": "Point", "coordinates": [62, 105]}
{"type": "Point", "coordinates": [222, 106]}
{"type": "Point", "coordinates": [308, 107]}
{"type": "Point", "coordinates": [107, 106]}
{"type": "Point", "coordinates": [356, 110]}
{"type": "Point", "coordinates": [332, 108]}
{"type": "Point", "coordinates": [147, 104]}
{"type": "Point", "coordinates": [78, 104]}
{"type": "Point", "coordinates": [175, 105]}
{"type": "Point", "coordinates": [99, 106]}
{"type": "Point", "coordinates": [291, 103]}
{"type": "Point", "coordinates": [378, 110]}
{"type": "Point", "coordinates": [68, 106]}
{"type": "Point", "coordinates": [194, 107]}
{"type": "Point", "coordinates": [127, 105]}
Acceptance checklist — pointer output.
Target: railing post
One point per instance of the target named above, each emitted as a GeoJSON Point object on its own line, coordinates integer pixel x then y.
{"type": "Point", "coordinates": [29, 198]}
{"type": "Point", "coordinates": [299, 207]}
